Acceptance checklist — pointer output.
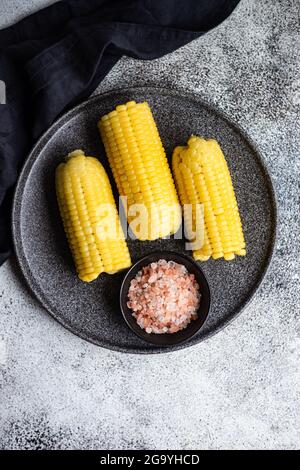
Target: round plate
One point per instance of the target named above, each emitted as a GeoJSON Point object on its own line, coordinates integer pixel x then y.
{"type": "Point", "coordinates": [92, 310]}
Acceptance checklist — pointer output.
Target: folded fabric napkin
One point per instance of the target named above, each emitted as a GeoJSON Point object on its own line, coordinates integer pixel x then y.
{"type": "Point", "coordinates": [55, 58]}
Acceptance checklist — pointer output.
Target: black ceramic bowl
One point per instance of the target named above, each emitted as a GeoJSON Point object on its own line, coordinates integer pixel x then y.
{"type": "Point", "coordinates": [167, 339]}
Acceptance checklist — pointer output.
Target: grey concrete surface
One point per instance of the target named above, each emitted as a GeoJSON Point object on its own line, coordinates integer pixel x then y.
{"type": "Point", "coordinates": [240, 389]}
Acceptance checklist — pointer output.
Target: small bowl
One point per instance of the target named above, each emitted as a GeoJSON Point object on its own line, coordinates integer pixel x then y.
{"type": "Point", "coordinates": [166, 339]}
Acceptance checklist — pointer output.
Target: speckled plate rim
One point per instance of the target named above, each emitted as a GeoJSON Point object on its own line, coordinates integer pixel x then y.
{"type": "Point", "coordinates": [33, 156]}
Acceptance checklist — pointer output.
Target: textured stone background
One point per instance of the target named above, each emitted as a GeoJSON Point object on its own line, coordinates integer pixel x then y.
{"type": "Point", "coordinates": [240, 389]}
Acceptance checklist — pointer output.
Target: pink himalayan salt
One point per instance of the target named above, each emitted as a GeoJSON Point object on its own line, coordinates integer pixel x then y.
{"type": "Point", "coordinates": [164, 297]}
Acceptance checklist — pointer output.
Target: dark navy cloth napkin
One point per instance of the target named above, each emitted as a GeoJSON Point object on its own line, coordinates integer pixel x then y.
{"type": "Point", "coordinates": [55, 58]}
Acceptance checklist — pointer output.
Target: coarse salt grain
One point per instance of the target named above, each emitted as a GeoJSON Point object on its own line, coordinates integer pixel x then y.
{"type": "Point", "coordinates": [164, 297]}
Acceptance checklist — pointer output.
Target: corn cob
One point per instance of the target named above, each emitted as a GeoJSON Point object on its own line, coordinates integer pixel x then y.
{"type": "Point", "coordinates": [202, 178]}
{"type": "Point", "coordinates": [141, 170]}
{"type": "Point", "coordinates": [87, 209]}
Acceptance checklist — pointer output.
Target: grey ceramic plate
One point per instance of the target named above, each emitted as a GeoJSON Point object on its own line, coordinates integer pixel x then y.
{"type": "Point", "coordinates": [91, 310]}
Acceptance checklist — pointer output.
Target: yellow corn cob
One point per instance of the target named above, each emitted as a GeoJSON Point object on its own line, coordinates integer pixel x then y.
{"type": "Point", "coordinates": [88, 209]}
{"type": "Point", "coordinates": [141, 170]}
{"type": "Point", "coordinates": [202, 178]}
